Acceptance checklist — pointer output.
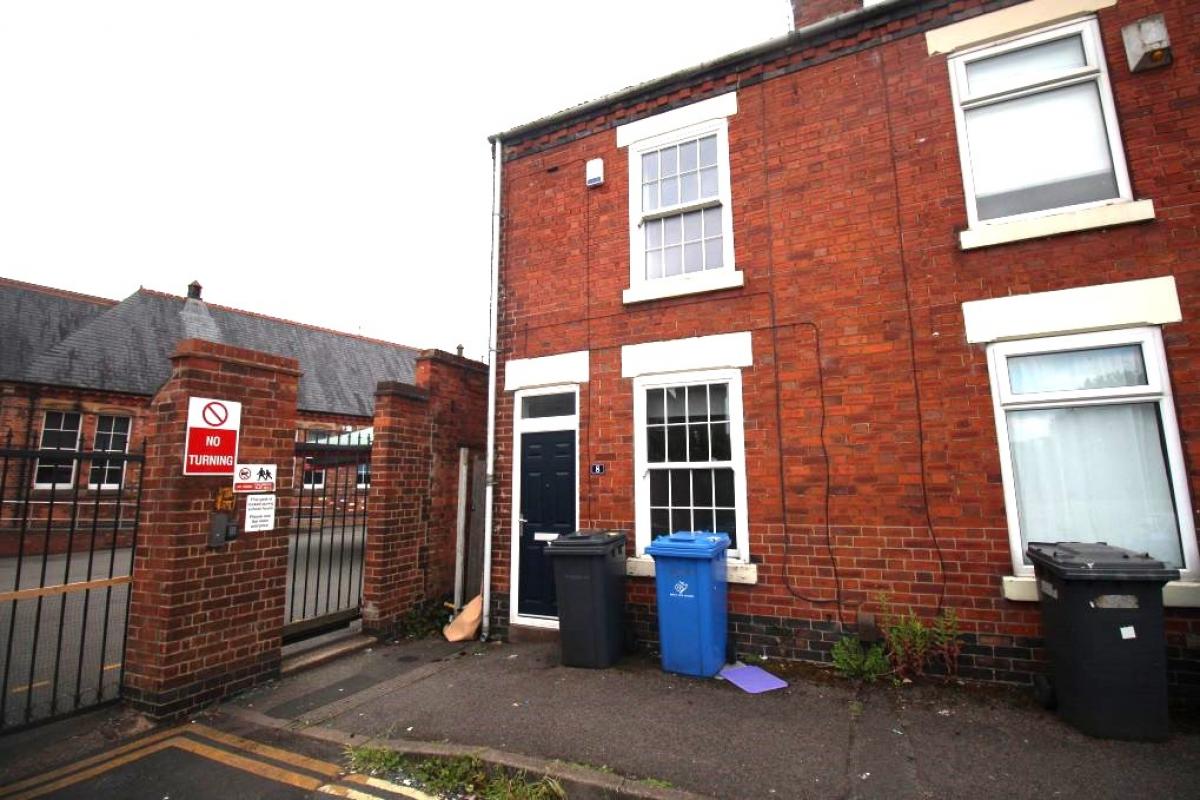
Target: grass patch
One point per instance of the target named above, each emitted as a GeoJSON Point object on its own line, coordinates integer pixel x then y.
{"type": "Point", "coordinates": [456, 777]}
{"type": "Point", "coordinates": [658, 783]}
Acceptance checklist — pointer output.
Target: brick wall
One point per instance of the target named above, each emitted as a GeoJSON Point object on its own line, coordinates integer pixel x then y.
{"type": "Point", "coordinates": [412, 524]}
{"type": "Point", "coordinates": [393, 579]}
{"type": "Point", "coordinates": [847, 202]}
{"type": "Point", "coordinates": [204, 622]}
{"type": "Point", "coordinates": [458, 408]}
{"type": "Point", "coordinates": [22, 413]}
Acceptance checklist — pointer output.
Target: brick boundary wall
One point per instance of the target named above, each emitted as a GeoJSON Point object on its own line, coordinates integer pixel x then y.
{"type": "Point", "coordinates": [400, 459]}
{"type": "Point", "coordinates": [412, 517]}
{"type": "Point", "coordinates": [205, 622]}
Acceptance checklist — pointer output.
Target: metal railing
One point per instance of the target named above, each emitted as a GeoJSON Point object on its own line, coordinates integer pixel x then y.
{"type": "Point", "coordinates": [66, 568]}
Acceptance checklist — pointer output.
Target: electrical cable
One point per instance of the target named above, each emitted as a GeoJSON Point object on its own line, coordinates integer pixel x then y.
{"type": "Point", "coordinates": [783, 489]}
{"type": "Point", "coordinates": [912, 337]}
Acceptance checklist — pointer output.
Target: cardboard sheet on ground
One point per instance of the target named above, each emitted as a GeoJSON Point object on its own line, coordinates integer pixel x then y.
{"type": "Point", "coordinates": [466, 624]}
{"type": "Point", "coordinates": [752, 679]}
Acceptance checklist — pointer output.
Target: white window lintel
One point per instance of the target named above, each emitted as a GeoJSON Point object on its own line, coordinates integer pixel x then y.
{"type": "Point", "coordinates": [562, 368]}
{"type": "Point", "coordinates": [720, 351]}
{"type": "Point", "coordinates": [1151, 301]}
{"type": "Point", "coordinates": [1007, 22]}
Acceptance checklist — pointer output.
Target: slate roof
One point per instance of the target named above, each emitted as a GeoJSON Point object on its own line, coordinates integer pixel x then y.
{"type": "Point", "coordinates": [35, 318]}
{"type": "Point", "coordinates": [127, 348]}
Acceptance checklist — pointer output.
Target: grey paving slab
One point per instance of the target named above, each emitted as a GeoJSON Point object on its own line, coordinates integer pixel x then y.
{"type": "Point", "coordinates": [703, 735]}
{"type": "Point", "coordinates": [817, 738]}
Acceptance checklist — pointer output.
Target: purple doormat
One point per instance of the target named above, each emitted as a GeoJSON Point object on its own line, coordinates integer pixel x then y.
{"type": "Point", "coordinates": [752, 679]}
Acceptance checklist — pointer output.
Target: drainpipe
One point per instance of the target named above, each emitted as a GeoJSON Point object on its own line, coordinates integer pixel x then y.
{"type": "Point", "coordinates": [493, 344]}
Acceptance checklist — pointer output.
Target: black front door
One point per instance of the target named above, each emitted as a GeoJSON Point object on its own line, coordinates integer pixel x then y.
{"type": "Point", "coordinates": [547, 510]}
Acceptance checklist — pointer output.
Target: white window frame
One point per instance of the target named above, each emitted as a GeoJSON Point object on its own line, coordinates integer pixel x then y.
{"type": "Point", "coordinates": [523, 425]}
{"type": "Point", "coordinates": [1096, 71]}
{"type": "Point", "coordinates": [737, 452]}
{"type": "Point", "coordinates": [359, 473]}
{"type": "Point", "coordinates": [95, 434]}
{"type": "Point", "coordinates": [1158, 390]}
{"type": "Point", "coordinates": [727, 275]}
{"type": "Point", "coordinates": [42, 446]}
{"type": "Point", "coordinates": [315, 484]}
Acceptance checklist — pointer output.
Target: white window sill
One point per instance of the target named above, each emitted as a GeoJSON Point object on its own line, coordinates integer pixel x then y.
{"type": "Point", "coordinates": [1053, 224]}
{"type": "Point", "coordinates": [735, 572]}
{"type": "Point", "coordinates": [678, 285]}
{"type": "Point", "coordinates": [1176, 594]}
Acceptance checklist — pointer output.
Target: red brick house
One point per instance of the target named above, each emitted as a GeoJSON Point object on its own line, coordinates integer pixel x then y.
{"type": "Point", "coordinates": [884, 299]}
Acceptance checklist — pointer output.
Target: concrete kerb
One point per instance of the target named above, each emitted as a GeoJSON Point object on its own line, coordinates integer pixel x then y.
{"type": "Point", "coordinates": [579, 781]}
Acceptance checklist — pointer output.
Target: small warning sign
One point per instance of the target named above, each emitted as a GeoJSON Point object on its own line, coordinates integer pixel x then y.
{"type": "Point", "coordinates": [260, 513]}
{"type": "Point", "coordinates": [212, 436]}
{"type": "Point", "coordinates": [254, 478]}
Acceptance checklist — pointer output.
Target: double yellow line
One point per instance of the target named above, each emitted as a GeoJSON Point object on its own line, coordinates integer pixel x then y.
{"type": "Point", "coordinates": [318, 776]}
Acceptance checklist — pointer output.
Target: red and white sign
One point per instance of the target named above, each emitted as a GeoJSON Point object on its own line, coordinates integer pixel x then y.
{"type": "Point", "coordinates": [254, 478]}
{"type": "Point", "coordinates": [212, 436]}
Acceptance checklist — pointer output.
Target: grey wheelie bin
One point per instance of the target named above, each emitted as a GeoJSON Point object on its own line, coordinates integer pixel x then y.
{"type": "Point", "coordinates": [589, 575]}
{"type": "Point", "coordinates": [1102, 617]}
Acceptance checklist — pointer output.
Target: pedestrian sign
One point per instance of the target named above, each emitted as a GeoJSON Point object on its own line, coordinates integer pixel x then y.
{"type": "Point", "coordinates": [254, 478]}
{"type": "Point", "coordinates": [212, 436]}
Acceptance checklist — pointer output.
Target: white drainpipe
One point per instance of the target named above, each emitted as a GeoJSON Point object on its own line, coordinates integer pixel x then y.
{"type": "Point", "coordinates": [493, 337]}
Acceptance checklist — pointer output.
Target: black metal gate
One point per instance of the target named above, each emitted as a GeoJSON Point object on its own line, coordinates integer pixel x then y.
{"type": "Point", "coordinates": [325, 550]}
{"type": "Point", "coordinates": [68, 530]}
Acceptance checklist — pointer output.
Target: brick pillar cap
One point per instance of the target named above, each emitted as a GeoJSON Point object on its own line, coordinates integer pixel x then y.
{"type": "Point", "coordinates": [240, 355]}
{"type": "Point", "coordinates": [400, 389]}
{"type": "Point", "coordinates": [451, 359]}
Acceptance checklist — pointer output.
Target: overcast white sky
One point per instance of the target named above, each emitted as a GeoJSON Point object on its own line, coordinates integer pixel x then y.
{"type": "Point", "coordinates": [325, 162]}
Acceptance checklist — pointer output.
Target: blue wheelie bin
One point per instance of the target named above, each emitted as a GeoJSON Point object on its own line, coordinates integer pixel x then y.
{"type": "Point", "coordinates": [689, 573]}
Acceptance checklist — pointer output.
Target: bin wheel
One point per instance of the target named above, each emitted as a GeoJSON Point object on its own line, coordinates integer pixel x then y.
{"type": "Point", "coordinates": [1043, 690]}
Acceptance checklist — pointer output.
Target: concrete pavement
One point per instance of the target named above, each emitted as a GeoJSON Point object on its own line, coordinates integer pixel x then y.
{"type": "Point", "coordinates": [819, 738]}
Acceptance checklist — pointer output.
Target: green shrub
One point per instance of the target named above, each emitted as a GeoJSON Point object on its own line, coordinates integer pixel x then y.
{"type": "Point", "coordinates": [851, 661]}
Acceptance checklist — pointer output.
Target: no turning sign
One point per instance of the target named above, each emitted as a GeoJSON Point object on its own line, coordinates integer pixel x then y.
{"type": "Point", "coordinates": [212, 436]}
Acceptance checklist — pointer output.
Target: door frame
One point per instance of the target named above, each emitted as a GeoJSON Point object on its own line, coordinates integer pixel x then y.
{"type": "Point", "coordinates": [520, 427]}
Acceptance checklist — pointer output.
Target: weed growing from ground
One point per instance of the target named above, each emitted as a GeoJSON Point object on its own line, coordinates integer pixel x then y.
{"type": "Point", "coordinates": [455, 777]}
{"type": "Point", "coordinates": [911, 644]}
{"type": "Point", "coordinates": [946, 641]}
{"type": "Point", "coordinates": [851, 661]}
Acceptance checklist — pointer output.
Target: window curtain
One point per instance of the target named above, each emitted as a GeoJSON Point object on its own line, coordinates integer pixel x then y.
{"type": "Point", "coordinates": [1095, 474]}
{"type": "Point", "coordinates": [1098, 368]}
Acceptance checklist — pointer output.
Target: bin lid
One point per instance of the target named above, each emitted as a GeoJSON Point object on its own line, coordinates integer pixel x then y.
{"type": "Point", "coordinates": [689, 544]}
{"type": "Point", "coordinates": [1098, 561]}
{"type": "Point", "coordinates": [584, 543]}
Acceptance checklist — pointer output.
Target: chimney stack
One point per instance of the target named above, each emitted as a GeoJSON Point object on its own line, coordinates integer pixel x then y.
{"type": "Point", "coordinates": [194, 290]}
{"type": "Point", "coordinates": [807, 12]}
